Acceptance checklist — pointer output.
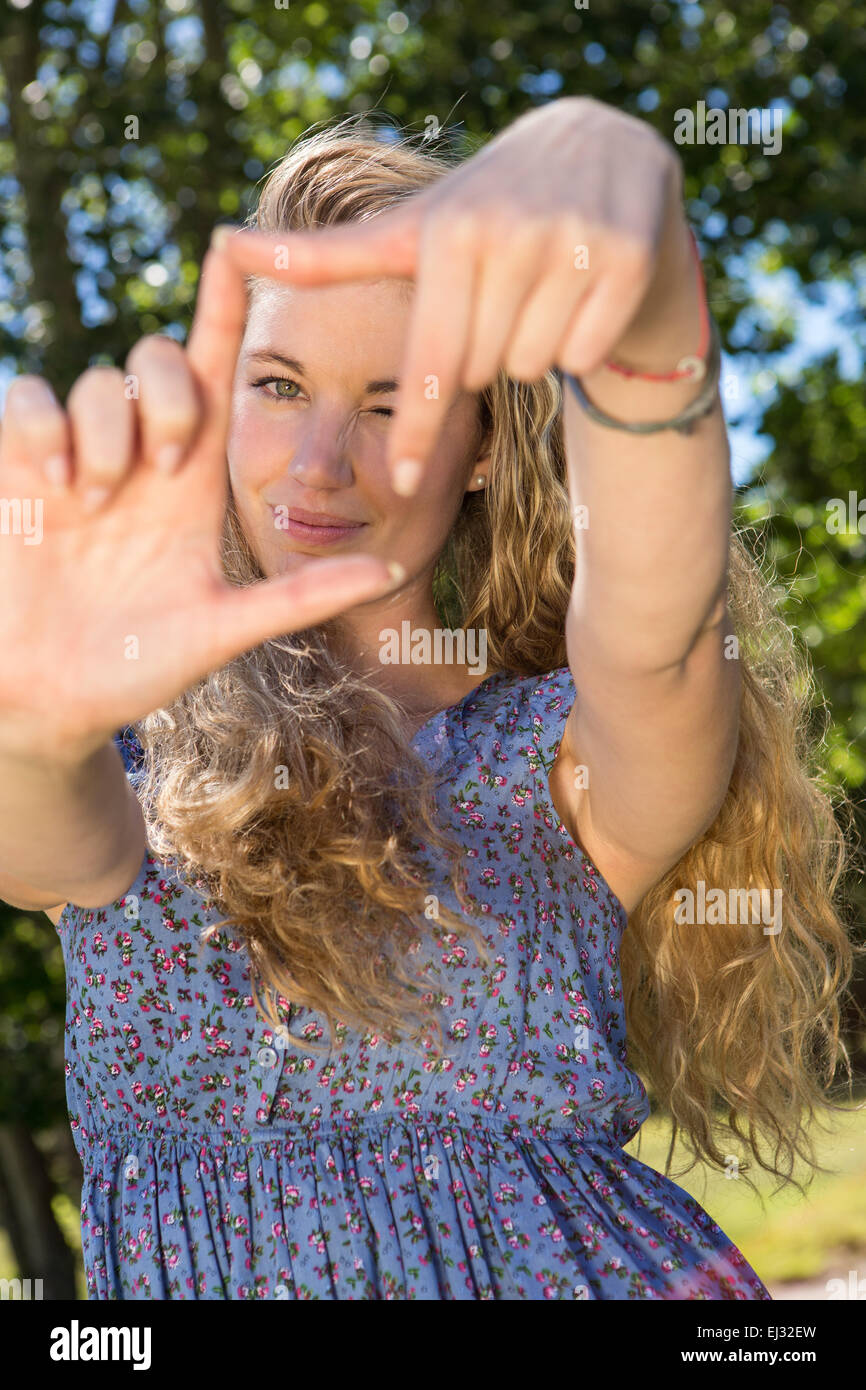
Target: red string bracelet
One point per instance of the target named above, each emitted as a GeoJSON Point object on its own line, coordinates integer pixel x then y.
{"type": "Point", "coordinates": [693, 367]}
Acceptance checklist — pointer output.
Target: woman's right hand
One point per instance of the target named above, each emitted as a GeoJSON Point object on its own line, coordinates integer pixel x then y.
{"type": "Point", "coordinates": [121, 603]}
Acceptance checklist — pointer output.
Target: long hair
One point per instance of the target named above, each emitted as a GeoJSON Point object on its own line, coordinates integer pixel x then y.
{"type": "Point", "coordinates": [320, 867]}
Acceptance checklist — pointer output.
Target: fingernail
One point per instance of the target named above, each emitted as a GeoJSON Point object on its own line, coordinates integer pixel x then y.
{"type": "Point", "coordinates": [168, 457]}
{"type": "Point", "coordinates": [396, 571]}
{"type": "Point", "coordinates": [57, 470]}
{"type": "Point", "coordinates": [406, 477]}
{"type": "Point", "coordinates": [220, 235]}
{"type": "Point", "coordinates": [94, 497]}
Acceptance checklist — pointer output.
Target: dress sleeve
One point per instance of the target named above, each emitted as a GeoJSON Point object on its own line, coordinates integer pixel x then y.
{"type": "Point", "coordinates": [550, 702]}
{"type": "Point", "coordinates": [131, 751]}
{"type": "Point", "coordinates": [520, 721]}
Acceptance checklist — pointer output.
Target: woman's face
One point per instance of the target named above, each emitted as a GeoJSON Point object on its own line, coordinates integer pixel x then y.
{"type": "Point", "coordinates": [314, 391]}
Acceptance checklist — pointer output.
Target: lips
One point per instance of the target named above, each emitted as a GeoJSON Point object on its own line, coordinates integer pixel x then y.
{"type": "Point", "coordinates": [321, 518]}
{"type": "Point", "coordinates": [315, 528]}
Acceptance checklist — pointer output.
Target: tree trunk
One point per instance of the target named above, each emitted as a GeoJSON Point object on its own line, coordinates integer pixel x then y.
{"type": "Point", "coordinates": [26, 1191]}
{"type": "Point", "coordinates": [42, 189]}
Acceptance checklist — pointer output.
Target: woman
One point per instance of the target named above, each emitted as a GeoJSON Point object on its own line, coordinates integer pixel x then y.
{"type": "Point", "coordinates": [350, 1022]}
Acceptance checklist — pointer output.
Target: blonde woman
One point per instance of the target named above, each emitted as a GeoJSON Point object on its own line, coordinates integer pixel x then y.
{"type": "Point", "coordinates": [356, 952]}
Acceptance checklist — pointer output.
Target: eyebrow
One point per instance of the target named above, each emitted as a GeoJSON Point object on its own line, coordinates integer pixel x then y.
{"type": "Point", "coordinates": [373, 388]}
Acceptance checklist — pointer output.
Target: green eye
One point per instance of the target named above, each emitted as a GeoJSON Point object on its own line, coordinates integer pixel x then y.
{"type": "Point", "coordinates": [273, 386]}
{"type": "Point", "coordinates": [268, 383]}
{"type": "Point", "coordinates": [279, 381]}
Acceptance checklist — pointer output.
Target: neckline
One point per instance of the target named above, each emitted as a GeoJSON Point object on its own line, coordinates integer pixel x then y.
{"type": "Point", "coordinates": [448, 710]}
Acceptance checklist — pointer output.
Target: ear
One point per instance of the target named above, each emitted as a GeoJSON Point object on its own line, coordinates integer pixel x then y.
{"type": "Point", "coordinates": [485, 437]}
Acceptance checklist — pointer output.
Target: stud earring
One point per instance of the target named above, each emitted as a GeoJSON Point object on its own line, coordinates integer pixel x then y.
{"type": "Point", "coordinates": [480, 479]}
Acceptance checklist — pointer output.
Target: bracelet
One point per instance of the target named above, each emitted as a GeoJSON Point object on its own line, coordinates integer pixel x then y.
{"type": "Point", "coordinates": [684, 422]}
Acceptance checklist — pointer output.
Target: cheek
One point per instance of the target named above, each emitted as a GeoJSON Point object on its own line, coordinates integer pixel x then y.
{"type": "Point", "coordinates": [249, 446]}
{"type": "Point", "coordinates": [447, 470]}
{"type": "Point", "coordinates": [430, 515]}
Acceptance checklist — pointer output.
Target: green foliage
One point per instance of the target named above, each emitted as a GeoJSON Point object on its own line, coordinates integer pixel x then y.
{"type": "Point", "coordinates": [32, 1013]}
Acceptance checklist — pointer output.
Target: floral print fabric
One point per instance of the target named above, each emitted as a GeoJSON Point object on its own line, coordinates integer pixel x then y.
{"type": "Point", "coordinates": [223, 1162]}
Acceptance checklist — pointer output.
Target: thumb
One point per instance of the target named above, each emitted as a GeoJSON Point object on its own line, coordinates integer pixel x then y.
{"type": "Point", "coordinates": [243, 618]}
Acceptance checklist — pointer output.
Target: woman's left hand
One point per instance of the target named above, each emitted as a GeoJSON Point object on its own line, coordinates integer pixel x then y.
{"type": "Point", "coordinates": [540, 251]}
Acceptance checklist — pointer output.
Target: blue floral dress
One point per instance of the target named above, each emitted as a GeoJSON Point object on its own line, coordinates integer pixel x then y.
{"type": "Point", "coordinates": [220, 1162]}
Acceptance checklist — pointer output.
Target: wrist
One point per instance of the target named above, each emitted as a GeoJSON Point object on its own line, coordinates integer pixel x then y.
{"type": "Point", "coordinates": [48, 749]}
{"type": "Point", "coordinates": [669, 322]}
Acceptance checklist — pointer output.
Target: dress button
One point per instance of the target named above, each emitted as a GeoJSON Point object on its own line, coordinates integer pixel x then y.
{"type": "Point", "coordinates": [266, 1057]}
{"type": "Point", "coordinates": [130, 1166]}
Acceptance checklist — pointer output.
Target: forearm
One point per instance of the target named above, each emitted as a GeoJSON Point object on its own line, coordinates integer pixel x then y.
{"type": "Point", "coordinates": [69, 828]}
{"type": "Point", "coordinates": [652, 512]}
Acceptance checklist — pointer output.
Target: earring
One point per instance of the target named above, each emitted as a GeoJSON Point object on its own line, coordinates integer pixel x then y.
{"type": "Point", "coordinates": [480, 479]}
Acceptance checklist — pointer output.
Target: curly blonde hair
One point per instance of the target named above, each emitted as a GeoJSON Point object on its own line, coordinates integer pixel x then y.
{"type": "Point", "coordinates": [323, 876]}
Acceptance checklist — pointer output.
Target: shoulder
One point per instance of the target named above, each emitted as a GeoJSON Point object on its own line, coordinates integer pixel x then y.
{"type": "Point", "coordinates": [526, 714]}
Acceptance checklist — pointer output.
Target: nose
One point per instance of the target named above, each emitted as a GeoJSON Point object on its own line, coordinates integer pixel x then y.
{"type": "Point", "coordinates": [321, 458]}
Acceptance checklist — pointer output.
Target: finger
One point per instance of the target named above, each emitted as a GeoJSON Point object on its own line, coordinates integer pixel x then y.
{"type": "Point", "coordinates": [169, 407]}
{"type": "Point", "coordinates": [506, 288]}
{"type": "Point", "coordinates": [436, 347]}
{"type": "Point", "coordinates": [214, 343]}
{"type": "Point", "coordinates": [601, 319]}
{"type": "Point", "coordinates": [36, 431]}
{"type": "Point", "coordinates": [244, 617]}
{"type": "Point", "coordinates": [544, 316]}
{"type": "Point", "coordinates": [386, 245]}
{"type": "Point", "coordinates": [102, 420]}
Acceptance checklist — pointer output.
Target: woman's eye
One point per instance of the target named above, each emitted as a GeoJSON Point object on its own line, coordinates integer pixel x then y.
{"type": "Point", "coordinates": [276, 382]}
{"type": "Point", "coordinates": [271, 385]}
